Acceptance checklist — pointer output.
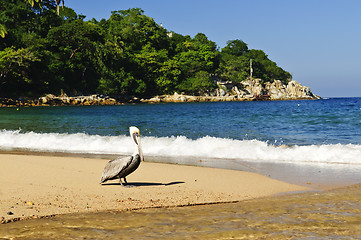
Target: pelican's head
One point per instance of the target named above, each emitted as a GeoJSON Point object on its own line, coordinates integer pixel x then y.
{"type": "Point", "coordinates": [134, 131]}
{"type": "Point", "coordinates": [135, 134]}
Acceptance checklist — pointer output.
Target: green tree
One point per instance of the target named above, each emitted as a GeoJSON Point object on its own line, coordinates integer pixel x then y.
{"type": "Point", "coordinates": [132, 30]}
{"type": "Point", "coordinates": [235, 64]}
{"type": "Point", "coordinates": [149, 61]}
{"type": "Point", "coordinates": [235, 48]}
{"type": "Point", "coordinates": [169, 76]}
{"type": "Point", "coordinates": [119, 83]}
{"type": "Point", "coordinates": [235, 69]}
{"type": "Point", "coordinates": [14, 71]}
{"type": "Point", "coordinates": [142, 45]}
{"type": "Point", "coordinates": [199, 84]}
{"type": "Point", "coordinates": [197, 57]}
{"type": "Point", "coordinates": [74, 47]}
{"type": "Point", "coordinates": [204, 54]}
{"type": "Point", "coordinates": [3, 30]}
{"type": "Point", "coordinates": [266, 69]}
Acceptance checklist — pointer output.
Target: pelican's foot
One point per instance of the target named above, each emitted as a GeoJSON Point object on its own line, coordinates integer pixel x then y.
{"type": "Point", "coordinates": [125, 184]}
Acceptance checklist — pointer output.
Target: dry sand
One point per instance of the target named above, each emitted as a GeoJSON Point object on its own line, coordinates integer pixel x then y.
{"type": "Point", "coordinates": [33, 186]}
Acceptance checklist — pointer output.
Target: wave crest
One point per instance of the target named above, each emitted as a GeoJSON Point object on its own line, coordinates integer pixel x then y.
{"type": "Point", "coordinates": [205, 147]}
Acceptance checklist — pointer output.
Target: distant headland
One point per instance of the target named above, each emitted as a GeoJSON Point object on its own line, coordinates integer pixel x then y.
{"type": "Point", "coordinates": [67, 59]}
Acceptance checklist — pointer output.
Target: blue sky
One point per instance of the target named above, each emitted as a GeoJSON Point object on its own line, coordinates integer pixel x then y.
{"type": "Point", "coordinates": [317, 41]}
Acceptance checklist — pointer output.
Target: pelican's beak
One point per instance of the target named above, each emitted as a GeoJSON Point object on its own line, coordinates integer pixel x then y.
{"type": "Point", "coordinates": [136, 138]}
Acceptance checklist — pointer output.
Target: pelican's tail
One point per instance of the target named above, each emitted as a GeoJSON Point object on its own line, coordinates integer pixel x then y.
{"type": "Point", "coordinates": [102, 180]}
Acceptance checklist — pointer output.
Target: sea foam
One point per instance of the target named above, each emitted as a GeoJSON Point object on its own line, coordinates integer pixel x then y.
{"type": "Point", "coordinates": [180, 146]}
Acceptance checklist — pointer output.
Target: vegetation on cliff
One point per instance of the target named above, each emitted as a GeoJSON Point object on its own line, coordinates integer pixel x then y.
{"type": "Point", "coordinates": [128, 54]}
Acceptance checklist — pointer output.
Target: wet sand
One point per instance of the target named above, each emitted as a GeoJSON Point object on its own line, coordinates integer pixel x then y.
{"type": "Point", "coordinates": [34, 186]}
{"type": "Point", "coordinates": [333, 214]}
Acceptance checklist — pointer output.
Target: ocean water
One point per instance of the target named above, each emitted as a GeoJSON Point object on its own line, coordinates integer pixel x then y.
{"type": "Point", "coordinates": [326, 131]}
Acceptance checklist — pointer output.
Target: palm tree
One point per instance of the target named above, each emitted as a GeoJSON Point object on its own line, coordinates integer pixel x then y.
{"type": "Point", "coordinates": [3, 31]}
{"type": "Point", "coordinates": [31, 2]}
{"type": "Point", "coordinates": [57, 5]}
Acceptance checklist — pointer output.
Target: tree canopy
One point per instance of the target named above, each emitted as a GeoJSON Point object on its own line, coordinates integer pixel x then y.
{"type": "Point", "coordinates": [47, 49]}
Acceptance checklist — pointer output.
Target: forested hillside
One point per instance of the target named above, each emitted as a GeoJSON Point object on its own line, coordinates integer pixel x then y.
{"type": "Point", "coordinates": [128, 54]}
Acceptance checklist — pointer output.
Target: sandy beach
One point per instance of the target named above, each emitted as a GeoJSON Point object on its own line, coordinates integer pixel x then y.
{"type": "Point", "coordinates": [34, 186]}
{"type": "Point", "coordinates": [59, 197]}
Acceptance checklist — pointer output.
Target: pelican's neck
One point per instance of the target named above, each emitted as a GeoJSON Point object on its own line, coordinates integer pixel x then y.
{"type": "Point", "coordinates": [138, 149]}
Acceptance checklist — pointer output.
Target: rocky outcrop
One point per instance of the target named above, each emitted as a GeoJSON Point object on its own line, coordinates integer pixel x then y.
{"type": "Point", "coordinates": [95, 99]}
{"type": "Point", "coordinates": [246, 91]}
{"type": "Point", "coordinates": [293, 90]}
{"type": "Point", "coordinates": [188, 98]}
{"type": "Point", "coordinates": [52, 100]}
{"type": "Point", "coordinates": [273, 91]}
{"type": "Point", "coordinates": [226, 92]}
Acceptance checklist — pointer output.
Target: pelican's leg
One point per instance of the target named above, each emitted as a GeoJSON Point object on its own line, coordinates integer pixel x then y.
{"type": "Point", "coordinates": [126, 184]}
{"type": "Point", "coordinates": [121, 183]}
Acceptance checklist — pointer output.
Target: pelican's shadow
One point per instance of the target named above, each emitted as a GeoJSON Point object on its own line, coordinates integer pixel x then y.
{"type": "Point", "coordinates": [144, 184]}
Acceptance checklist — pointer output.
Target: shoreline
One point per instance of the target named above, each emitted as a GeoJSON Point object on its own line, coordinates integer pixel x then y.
{"type": "Point", "coordinates": [317, 176]}
{"type": "Point", "coordinates": [101, 100]}
{"type": "Point", "coordinates": [34, 186]}
{"type": "Point", "coordinates": [227, 91]}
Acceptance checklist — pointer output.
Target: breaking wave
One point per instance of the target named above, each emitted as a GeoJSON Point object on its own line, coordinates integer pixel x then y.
{"type": "Point", "coordinates": [174, 146]}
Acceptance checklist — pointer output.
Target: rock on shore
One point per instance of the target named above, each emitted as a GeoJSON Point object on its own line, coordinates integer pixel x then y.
{"type": "Point", "coordinates": [95, 99]}
{"type": "Point", "coordinates": [246, 91]}
{"type": "Point", "coordinates": [52, 100]}
{"type": "Point", "coordinates": [226, 92]}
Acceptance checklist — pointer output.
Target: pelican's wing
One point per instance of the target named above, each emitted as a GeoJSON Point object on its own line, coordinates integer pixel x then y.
{"type": "Point", "coordinates": [114, 167]}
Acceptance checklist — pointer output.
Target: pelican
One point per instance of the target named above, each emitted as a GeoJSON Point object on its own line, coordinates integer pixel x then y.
{"type": "Point", "coordinates": [122, 167]}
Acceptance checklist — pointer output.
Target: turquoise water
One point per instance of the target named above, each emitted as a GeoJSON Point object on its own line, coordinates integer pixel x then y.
{"type": "Point", "coordinates": [322, 131]}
